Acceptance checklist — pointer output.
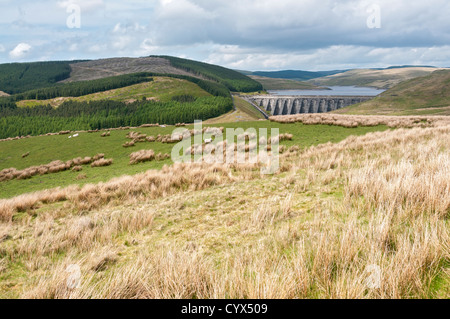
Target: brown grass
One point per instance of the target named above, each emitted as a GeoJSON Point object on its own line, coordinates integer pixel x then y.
{"type": "Point", "coordinates": [363, 120]}
{"type": "Point", "coordinates": [51, 168]}
{"type": "Point", "coordinates": [142, 156]}
{"type": "Point", "coordinates": [313, 231]}
{"type": "Point", "coordinates": [102, 162]}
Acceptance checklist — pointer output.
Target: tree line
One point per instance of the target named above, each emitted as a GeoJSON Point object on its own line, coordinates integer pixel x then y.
{"type": "Point", "coordinates": [20, 77]}
{"type": "Point", "coordinates": [73, 115]}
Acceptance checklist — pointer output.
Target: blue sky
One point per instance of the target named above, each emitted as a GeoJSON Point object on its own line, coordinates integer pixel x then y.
{"type": "Point", "coordinates": [241, 34]}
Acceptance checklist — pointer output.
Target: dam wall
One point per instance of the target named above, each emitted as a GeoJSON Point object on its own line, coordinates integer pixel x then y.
{"type": "Point", "coordinates": [286, 105]}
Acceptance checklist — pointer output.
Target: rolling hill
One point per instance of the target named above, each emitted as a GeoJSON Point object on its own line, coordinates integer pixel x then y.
{"type": "Point", "coordinates": [109, 93]}
{"type": "Point", "coordinates": [381, 79]}
{"type": "Point", "coordinates": [423, 95]}
{"type": "Point", "coordinates": [159, 89]}
{"type": "Point", "coordinates": [296, 75]}
{"type": "Point", "coordinates": [284, 84]}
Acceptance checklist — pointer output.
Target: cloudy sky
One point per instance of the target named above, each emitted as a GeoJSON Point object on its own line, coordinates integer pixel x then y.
{"type": "Point", "coordinates": [240, 34]}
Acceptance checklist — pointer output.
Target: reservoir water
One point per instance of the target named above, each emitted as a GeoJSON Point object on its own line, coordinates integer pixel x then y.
{"type": "Point", "coordinates": [334, 90]}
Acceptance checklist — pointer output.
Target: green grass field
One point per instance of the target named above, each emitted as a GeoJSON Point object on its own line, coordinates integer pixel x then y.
{"type": "Point", "coordinates": [161, 89]}
{"type": "Point", "coordinates": [46, 149]}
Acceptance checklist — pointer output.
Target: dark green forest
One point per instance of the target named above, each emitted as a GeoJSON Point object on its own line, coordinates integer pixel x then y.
{"type": "Point", "coordinates": [107, 114]}
{"type": "Point", "coordinates": [20, 77]}
{"type": "Point", "coordinates": [233, 80]}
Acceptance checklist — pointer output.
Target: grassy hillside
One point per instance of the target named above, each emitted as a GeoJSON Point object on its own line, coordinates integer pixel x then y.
{"type": "Point", "coordinates": [424, 95]}
{"type": "Point", "coordinates": [172, 104]}
{"type": "Point", "coordinates": [283, 84]}
{"type": "Point", "coordinates": [233, 80]}
{"type": "Point", "coordinates": [43, 150]}
{"type": "Point", "coordinates": [96, 69]}
{"type": "Point", "coordinates": [381, 79]}
{"type": "Point", "coordinates": [160, 89]}
{"type": "Point", "coordinates": [244, 112]}
{"type": "Point", "coordinates": [364, 218]}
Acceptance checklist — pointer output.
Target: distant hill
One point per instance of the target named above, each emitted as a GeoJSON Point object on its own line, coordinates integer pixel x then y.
{"type": "Point", "coordinates": [297, 75]}
{"type": "Point", "coordinates": [419, 96]}
{"type": "Point", "coordinates": [110, 93]}
{"type": "Point", "coordinates": [20, 77]}
{"type": "Point", "coordinates": [284, 84]}
{"type": "Point", "coordinates": [377, 78]}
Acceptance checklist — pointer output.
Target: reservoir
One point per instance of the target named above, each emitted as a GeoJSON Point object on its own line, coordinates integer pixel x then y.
{"type": "Point", "coordinates": [333, 91]}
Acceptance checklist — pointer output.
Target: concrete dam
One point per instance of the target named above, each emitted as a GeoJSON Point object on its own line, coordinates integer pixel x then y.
{"type": "Point", "coordinates": [286, 105]}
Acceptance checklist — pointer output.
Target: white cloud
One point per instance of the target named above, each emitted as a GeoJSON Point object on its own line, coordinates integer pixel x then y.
{"type": "Point", "coordinates": [20, 51]}
{"type": "Point", "coordinates": [251, 34]}
{"type": "Point", "coordinates": [2, 48]}
{"type": "Point", "coordinates": [85, 5]}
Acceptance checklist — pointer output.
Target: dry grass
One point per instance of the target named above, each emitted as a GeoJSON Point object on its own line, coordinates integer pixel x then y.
{"type": "Point", "coordinates": [363, 120]}
{"type": "Point", "coordinates": [217, 231]}
{"type": "Point", "coordinates": [142, 156]}
{"type": "Point", "coordinates": [51, 168]}
{"type": "Point", "coordinates": [102, 162]}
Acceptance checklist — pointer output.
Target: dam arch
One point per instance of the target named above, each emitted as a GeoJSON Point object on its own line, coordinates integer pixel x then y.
{"type": "Point", "coordinates": [286, 105]}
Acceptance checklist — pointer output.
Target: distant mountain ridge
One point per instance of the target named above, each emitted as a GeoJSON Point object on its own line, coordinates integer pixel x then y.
{"type": "Point", "coordinates": [298, 75]}
{"type": "Point", "coordinates": [349, 77]}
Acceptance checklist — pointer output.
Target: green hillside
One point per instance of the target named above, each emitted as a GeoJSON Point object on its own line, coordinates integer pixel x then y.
{"type": "Point", "coordinates": [377, 78]}
{"type": "Point", "coordinates": [233, 80]}
{"type": "Point", "coordinates": [184, 91]}
{"type": "Point", "coordinates": [45, 149]}
{"type": "Point", "coordinates": [424, 95]}
{"type": "Point", "coordinates": [161, 88]}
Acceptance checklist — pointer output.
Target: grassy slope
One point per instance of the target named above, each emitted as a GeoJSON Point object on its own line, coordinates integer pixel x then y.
{"type": "Point", "coordinates": [162, 89]}
{"type": "Point", "coordinates": [382, 79]}
{"type": "Point", "coordinates": [46, 149]}
{"type": "Point", "coordinates": [244, 112]}
{"type": "Point", "coordinates": [425, 95]}
{"type": "Point", "coordinates": [283, 84]}
{"type": "Point", "coordinates": [293, 235]}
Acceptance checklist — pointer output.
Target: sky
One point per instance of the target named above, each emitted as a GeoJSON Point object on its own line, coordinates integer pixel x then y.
{"type": "Point", "coordinates": [239, 34]}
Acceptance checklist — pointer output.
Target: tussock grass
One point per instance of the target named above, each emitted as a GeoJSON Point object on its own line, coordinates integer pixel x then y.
{"type": "Point", "coordinates": [142, 156]}
{"type": "Point", "coordinates": [216, 231]}
{"type": "Point", "coordinates": [102, 162]}
{"type": "Point", "coordinates": [351, 121]}
{"type": "Point", "coordinates": [53, 167]}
